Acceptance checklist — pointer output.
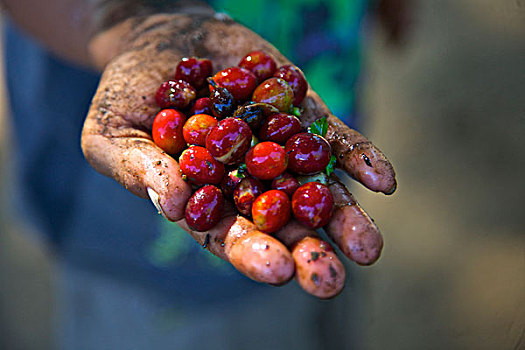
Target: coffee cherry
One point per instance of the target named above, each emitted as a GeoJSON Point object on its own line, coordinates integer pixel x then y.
{"type": "Point", "coordinates": [197, 128]}
{"type": "Point", "coordinates": [260, 64]}
{"type": "Point", "coordinates": [271, 211]}
{"type": "Point", "coordinates": [229, 141]}
{"type": "Point", "coordinates": [200, 168]}
{"type": "Point", "coordinates": [254, 113]}
{"type": "Point", "coordinates": [167, 131]}
{"type": "Point", "coordinates": [204, 208]}
{"type": "Point", "coordinates": [194, 71]}
{"type": "Point", "coordinates": [286, 183]}
{"type": "Point", "coordinates": [201, 106]}
{"type": "Point", "coordinates": [222, 101]}
{"type": "Point", "coordinates": [276, 92]}
{"type": "Point", "coordinates": [279, 128]}
{"type": "Point", "coordinates": [176, 94]}
{"type": "Point", "coordinates": [266, 160]}
{"type": "Point", "coordinates": [308, 153]}
{"type": "Point", "coordinates": [245, 193]}
{"type": "Point", "coordinates": [295, 78]}
{"type": "Point", "coordinates": [312, 204]}
{"type": "Point", "coordinates": [240, 82]}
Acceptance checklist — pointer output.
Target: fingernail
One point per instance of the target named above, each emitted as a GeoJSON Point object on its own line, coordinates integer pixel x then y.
{"type": "Point", "coordinates": [154, 196]}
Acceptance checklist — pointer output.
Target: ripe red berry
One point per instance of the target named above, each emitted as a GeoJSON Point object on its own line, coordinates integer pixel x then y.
{"type": "Point", "coordinates": [176, 94]}
{"type": "Point", "coordinates": [279, 128]}
{"type": "Point", "coordinates": [312, 204]}
{"type": "Point", "coordinates": [271, 211]}
{"type": "Point", "coordinates": [229, 140]}
{"type": "Point", "coordinates": [260, 64]}
{"type": "Point", "coordinates": [238, 81]}
{"type": "Point", "coordinates": [308, 153]}
{"type": "Point", "coordinates": [295, 78]}
{"type": "Point", "coordinates": [204, 208]}
{"type": "Point", "coordinates": [197, 164]}
{"type": "Point", "coordinates": [201, 106]}
{"type": "Point", "coordinates": [197, 128]}
{"type": "Point", "coordinates": [194, 71]}
{"type": "Point", "coordinates": [286, 183]}
{"type": "Point", "coordinates": [245, 193]}
{"type": "Point", "coordinates": [167, 130]}
{"type": "Point", "coordinates": [275, 92]}
{"type": "Point", "coordinates": [266, 160]}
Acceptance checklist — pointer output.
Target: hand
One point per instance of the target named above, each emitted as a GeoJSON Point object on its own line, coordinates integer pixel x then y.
{"type": "Point", "coordinates": [116, 142]}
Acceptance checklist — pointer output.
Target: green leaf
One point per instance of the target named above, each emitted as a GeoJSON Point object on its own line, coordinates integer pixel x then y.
{"type": "Point", "coordinates": [331, 165]}
{"type": "Point", "coordinates": [241, 171]}
{"type": "Point", "coordinates": [319, 127]}
{"type": "Point", "coordinates": [296, 111]}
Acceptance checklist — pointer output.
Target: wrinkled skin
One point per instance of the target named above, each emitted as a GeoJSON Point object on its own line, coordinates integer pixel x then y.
{"type": "Point", "coordinates": [116, 142]}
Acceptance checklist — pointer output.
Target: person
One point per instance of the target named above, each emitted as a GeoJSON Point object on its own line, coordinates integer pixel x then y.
{"type": "Point", "coordinates": [122, 284]}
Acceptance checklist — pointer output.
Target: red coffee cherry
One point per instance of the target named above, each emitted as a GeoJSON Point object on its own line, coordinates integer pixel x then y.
{"type": "Point", "coordinates": [194, 71]}
{"type": "Point", "coordinates": [204, 208]}
{"type": "Point", "coordinates": [198, 165]}
{"type": "Point", "coordinates": [238, 81]}
{"type": "Point", "coordinates": [197, 128]}
{"type": "Point", "coordinates": [271, 211]}
{"type": "Point", "coordinates": [307, 153]}
{"type": "Point", "coordinates": [167, 131]}
{"type": "Point", "coordinates": [229, 140]}
{"type": "Point", "coordinates": [275, 92]}
{"type": "Point", "coordinates": [286, 183]}
{"type": "Point", "coordinates": [295, 78]}
{"type": "Point", "coordinates": [176, 94]}
{"type": "Point", "coordinates": [312, 204]}
{"type": "Point", "coordinates": [266, 160]}
{"type": "Point", "coordinates": [245, 193]}
{"type": "Point", "coordinates": [279, 128]}
{"type": "Point", "coordinates": [201, 106]}
{"type": "Point", "coordinates": [260, 64]}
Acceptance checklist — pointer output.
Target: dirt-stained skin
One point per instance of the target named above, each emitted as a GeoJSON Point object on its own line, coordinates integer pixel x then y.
{"type": "Point", "coordinates": [116, 141]}
{"type": "Point", "coordinates": [354, 232]}
{"type": "Point", "coordinates": [357, 155]}
{"type": "Point", "coordinates": [318, 270]}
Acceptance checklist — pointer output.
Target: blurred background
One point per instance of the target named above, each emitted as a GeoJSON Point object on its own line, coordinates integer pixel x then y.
{"type": "Point", "coordinates": [448, 109]}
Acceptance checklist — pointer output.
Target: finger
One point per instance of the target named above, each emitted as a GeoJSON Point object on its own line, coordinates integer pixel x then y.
{"type": "Point", "coordinates": [255, 254]}
{"type": "Point", "coordinates": [351, 228]}
{"type": "Point", "coordinates": [354, 152]}
{"type": "Point", "coordinates": [142, 168]}
{"type": "Point", "coordinates": [318, 270]}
